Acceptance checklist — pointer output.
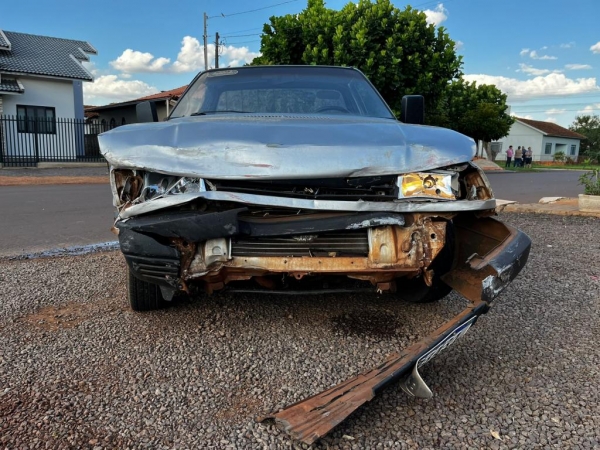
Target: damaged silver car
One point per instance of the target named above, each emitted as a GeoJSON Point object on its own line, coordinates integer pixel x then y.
{"type": "Point", "coordinates": [301, 179]}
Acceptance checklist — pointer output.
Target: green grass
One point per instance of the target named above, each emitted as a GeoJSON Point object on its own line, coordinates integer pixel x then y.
{"type": "Point", "coordinates": [568, 167]}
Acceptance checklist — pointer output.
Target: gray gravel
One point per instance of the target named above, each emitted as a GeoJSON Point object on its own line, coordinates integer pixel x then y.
{"type": "Point", "coordinates": [78, 369]}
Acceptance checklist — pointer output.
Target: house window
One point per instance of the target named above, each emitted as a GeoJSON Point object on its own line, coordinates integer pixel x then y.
{"type": "Point", "coordinates": [36, 119]}
{"type": "Point", "coordinates": [548, 149]}
{"type": "Point", "coordinates": [113, 123]}
{"type": "Point", "coordinates": [103, 125]}
{"type": "Point", "coordinates": [123, 121]}
{"type": "Point", "coordinates": [573, 149]}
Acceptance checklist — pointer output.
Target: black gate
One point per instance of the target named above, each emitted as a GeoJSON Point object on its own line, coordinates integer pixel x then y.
{"type": "Point", "coordinates": [26, 141]}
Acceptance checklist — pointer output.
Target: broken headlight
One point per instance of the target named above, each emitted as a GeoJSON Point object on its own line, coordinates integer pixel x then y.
{"type": "Point", "coordinates": [438, 186]}
{"type": "Point", "coordinates": [158, 185]}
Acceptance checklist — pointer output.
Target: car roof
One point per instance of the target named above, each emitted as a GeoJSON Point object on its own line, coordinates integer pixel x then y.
{"type": "Point", "coordinates": [281, 66]}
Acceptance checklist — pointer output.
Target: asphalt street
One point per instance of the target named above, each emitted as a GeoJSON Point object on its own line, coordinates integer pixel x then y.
{"type": "Point", "coordinates": [36, 218]}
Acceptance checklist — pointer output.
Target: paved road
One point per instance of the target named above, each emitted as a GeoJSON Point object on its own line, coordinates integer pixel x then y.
{"type": "Point", "coordinates": [529, 187]}
{"type": "Point", "coordinates": [41, 217]}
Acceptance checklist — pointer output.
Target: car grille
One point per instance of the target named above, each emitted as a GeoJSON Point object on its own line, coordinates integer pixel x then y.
{"type": "Point", "coordinates": [373, 189]}
{"type": "Point", "coordinates": [354, 243]}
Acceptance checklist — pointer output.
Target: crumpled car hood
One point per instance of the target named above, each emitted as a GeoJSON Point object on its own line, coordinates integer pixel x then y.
{"type": "Point", "coordinates": [228, 146]}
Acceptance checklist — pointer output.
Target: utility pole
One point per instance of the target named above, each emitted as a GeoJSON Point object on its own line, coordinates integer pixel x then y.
{"type": "Point", "coordinates": [216, 50]}
{"type": "Point", "coordinates": [205, 44]}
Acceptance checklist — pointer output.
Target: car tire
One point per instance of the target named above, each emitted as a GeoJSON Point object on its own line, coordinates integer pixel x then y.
{"type": "Point", "coordinates": [143, 296]}
{"type": "Point", "coordinates": [416, 291]}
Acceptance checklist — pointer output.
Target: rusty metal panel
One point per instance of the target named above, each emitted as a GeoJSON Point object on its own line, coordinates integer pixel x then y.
{"type": "Point", "coordinates": [314, 417]}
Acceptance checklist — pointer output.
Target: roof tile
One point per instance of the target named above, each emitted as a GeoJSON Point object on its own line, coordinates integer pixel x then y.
{"type": "Point", "coordinates": [10, 86]}
{"type": "Point", "coordinates": [551, 129]}
{"type": "Point", "coordinates": [43, 55]}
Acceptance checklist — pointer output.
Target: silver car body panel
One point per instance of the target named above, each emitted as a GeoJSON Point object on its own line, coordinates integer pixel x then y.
{"type": "Point", "coordinates": [405, 206]}
{"type": "Point", "coordinates": [283, 146]}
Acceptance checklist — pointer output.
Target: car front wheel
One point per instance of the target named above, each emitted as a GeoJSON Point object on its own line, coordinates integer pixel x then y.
{"type": "Point", "coordinates": [143, 296]}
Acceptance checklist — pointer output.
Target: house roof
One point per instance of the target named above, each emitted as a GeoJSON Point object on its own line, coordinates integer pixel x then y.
{"type": "Point", "coordinates": [4, 42]}
{"type": "Point", "coordinates": [22, 53]}
{"type": "Point", "coordinates": [551, 129]}
{"type": "Point", "coordinates": [163, 95]}
{"type": "Point", "coordinates": [88, 114]}
{"type": "Point", "coordinates": [11, 86]}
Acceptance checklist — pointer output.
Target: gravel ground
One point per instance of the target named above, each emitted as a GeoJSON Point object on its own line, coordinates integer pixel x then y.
{"type": "Point", "coordinates": [78, 369]}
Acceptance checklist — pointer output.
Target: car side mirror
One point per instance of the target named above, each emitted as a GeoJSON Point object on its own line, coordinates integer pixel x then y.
{"type": "Point", "coordinates": [146, 112]}
{"type": "Point", "coordinates": [413, 109]}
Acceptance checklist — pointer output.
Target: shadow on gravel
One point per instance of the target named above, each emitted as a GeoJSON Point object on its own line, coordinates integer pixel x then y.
{"type": "Point", "coordinates": [367, 323]}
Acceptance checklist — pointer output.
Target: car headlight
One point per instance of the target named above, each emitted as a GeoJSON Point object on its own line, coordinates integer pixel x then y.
{"type": "Point", "coordinates": [156, 187]}
{"type": "Point", "coordinates": [428, 186]}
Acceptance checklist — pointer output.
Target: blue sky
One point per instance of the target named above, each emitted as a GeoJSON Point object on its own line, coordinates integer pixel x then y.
{"type": "Point", "coordinates": [545, 54]}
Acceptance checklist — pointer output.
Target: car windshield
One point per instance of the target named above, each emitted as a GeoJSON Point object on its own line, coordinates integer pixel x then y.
{"type": "Point", "coordinates": [282, 90]}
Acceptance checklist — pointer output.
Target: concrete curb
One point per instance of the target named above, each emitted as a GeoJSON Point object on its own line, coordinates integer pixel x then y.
{"type": "Point", "coordinates": [566, 207]}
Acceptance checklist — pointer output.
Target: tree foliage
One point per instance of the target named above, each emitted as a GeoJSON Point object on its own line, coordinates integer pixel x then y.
{"type": "Point", "coordinates": [589, 126]}
{"type": "Point", "coordinates": [396, 49]}
{"type": "Point", "coordinates": [477, 111]}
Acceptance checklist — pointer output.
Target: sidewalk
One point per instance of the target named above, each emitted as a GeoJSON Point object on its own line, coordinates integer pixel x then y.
{"type": "Point", "coordinates": [563, 207]}
{"type": "Point", "coordinates": [25, 176]}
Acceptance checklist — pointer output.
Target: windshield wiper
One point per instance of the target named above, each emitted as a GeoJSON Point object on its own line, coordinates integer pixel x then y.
{"type": "Point", "coordinates": [204, 113]}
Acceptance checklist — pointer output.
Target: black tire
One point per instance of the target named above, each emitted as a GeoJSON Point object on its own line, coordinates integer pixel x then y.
{"type": "Point", "coordinates": [416, 291]}
{"type": "Point", "coordinates": [143, 296]}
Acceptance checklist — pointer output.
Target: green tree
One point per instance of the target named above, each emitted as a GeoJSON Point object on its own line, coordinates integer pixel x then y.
{"type": "Point", "coordinates": [396, 49]}
{"type": "Point", "coordinates": [589, 126]}
{"type": "Point", "coordinates": [477, 111]}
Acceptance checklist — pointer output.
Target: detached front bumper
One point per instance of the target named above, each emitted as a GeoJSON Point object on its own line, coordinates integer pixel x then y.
{"type": "Point", "coordinates": [499, 252]}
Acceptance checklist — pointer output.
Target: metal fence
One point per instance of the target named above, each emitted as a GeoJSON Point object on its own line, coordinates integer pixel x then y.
{"type": "Point", "coordinates": [26, 141]}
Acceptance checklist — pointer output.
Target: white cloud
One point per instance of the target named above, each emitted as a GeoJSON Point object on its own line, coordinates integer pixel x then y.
{"type": "Point", "coordinates": [110, 88]}
{"type": "Point", "coordinates": [524, 52]}
{"type": "Point", "coordinates": [569, 45]}
{"type": "Point", "coordinates": [133, 61]}
{"type": "Point", "coordinates": [553, 84]}
{"type": "Point", "coordinates": [189, 59]}
{"type": "Point", "coordinates": [577, 66]}
{"type": "Point", "coordinates": [590, 109]}
{"type": "Point", "coordinates": [458, 45]}
{"type": "Point", "coordinates": [595, 48]}
{"type": "Point", "coordinates": [545, 47]}
{"type": "Point", "coordinates": [237, 56]}
{"type": "Point", "coordinates": [555, 111]}
{"type": "Point", "coordinates": [530, 70]}
{"type": "Point", "coordinates": [551, 119]}
{"type": "Point", "coordinates": [191, 56]}
{"type": "Point", "coordinates": [436, 16]}
{"type": "Point", "coordinates": [534, 55]}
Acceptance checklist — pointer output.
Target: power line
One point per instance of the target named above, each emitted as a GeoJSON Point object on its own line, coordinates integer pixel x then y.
{"type": "Point", "coordinates": [254, 10]}
{"type": "Point", "coordinates": [242, 35]}
{"type": "Point", "coordinates": [238, 43]}
{"type": "Point", "coordinates": [243, 31]}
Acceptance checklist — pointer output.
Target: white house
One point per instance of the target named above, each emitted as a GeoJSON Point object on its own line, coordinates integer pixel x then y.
{"type": "Point", "coordinates": [544, 138]}
{"type": "Point", "coordinates": [41, 94]}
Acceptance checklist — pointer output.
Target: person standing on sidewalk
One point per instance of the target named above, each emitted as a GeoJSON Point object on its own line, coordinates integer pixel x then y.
{"type": "Point", "coordinates": [518, 157]}
{"type": "Point", "coordinates": [509, 154]}
{"type": "Point", "coordinates": [528, 157]}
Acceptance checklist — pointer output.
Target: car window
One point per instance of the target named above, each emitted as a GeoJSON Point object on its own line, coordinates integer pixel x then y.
{"type": "Point", "coordinates": [282, 89]}
{"type": "Point", "coordinates": [290, 100]}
